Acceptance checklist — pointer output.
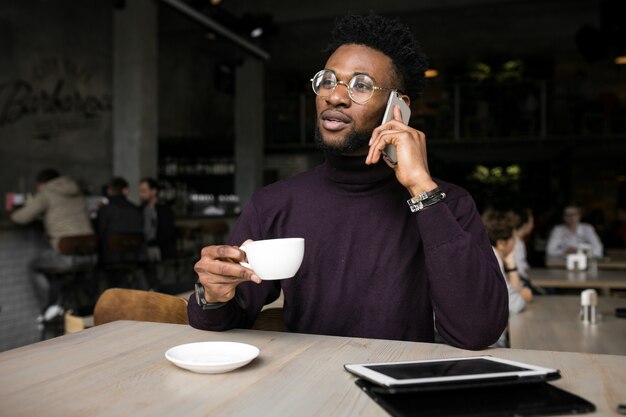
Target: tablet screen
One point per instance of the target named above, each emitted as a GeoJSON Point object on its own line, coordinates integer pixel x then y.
{"type": "Point", "coordinates": [412, 370]}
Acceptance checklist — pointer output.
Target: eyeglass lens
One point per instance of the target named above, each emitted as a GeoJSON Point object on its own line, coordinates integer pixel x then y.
{"type": "Point", "coordinates": [360, 87]}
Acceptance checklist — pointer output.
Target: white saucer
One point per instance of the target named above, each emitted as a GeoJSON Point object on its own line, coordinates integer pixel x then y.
{"type": "Point", "coordinates": [212, 357]}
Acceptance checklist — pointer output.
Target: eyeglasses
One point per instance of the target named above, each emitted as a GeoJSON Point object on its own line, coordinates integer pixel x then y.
{"type": "Point", "coordinates": [360, 87]}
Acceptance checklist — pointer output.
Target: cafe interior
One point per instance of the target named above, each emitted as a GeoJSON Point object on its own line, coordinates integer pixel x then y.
{"type": "Point", "coordinates": [523, 106]}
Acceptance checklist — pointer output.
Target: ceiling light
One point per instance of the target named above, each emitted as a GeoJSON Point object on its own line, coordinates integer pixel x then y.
{"type": "Point", "coordinates": [256, 32]}
{"type": "Point", "coordinates": [621, 60]}
{"type": "Point", "coordinates": [431, 73]}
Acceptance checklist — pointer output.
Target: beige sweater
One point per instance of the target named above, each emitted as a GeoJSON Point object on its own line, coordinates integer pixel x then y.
{"type": "Point", "coordinates": [63, 208]}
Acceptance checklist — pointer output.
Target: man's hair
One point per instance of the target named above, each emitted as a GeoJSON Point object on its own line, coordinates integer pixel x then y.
{"type": "Point", "coordinates": [498, 226]}
{"type": "Point", "coordinates": [152, 183]}
{"type": "Point", "coordinates": [46, 175]}
{"type": "Point", "coordinates": [390, 37]}
{"type": "Point", "coordinates": [117, 185]}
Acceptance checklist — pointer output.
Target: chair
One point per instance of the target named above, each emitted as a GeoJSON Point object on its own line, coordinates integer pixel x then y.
{"type": "Point", "coordinates": [127, 304]}
{"type": "Point", "coordinates": [270, 319]}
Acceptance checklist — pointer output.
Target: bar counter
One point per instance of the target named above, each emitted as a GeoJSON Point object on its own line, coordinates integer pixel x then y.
{"type": "Point", "coordinates": [19, 309]}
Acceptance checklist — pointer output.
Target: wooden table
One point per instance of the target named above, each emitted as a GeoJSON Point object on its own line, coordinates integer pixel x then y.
{"type": "Point", "coordinates": [605, 281]}
{"type": "Point", "coordinates": [611, 263]}
{"type": "Point", "coordinates": [551, 322]}
{"type": "Point", "coordinates": [119, 369]}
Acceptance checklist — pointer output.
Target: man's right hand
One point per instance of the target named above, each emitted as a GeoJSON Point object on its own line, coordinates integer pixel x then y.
{"type": "Point", "coordinates": [219, 272]}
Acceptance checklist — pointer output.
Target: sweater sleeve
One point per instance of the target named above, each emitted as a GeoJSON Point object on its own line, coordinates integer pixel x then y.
{"type": "Point", "coordinates": [250, 297]}
{"type": "Point", "coordinates": [469, 296]}
{"type": "Point", "coordinates": [35, 207]}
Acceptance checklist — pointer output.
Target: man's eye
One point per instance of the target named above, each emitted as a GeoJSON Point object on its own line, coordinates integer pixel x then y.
{"type": "Point", "coordinates": [327, 84]}
{"type": "Point", "coordinates": [362, 87]}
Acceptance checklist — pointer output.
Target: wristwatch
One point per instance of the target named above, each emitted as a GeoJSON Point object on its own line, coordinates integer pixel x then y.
{"type": "Point", "coordinates": [426, 199]}
{"type": "Point", "coordinates": [202, 302]}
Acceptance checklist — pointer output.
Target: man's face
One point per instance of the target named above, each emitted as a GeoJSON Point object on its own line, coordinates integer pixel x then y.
{"type": "Point", "coordinates": [145, 192]}
{"type": "Point", "coordinates": [344, 126]}
{"type": "Point", "coordinates": [571, 216]}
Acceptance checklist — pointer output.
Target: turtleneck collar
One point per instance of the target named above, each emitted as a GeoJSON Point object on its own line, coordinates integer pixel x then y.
{"type": "Point", "coordinates": [352, 170]}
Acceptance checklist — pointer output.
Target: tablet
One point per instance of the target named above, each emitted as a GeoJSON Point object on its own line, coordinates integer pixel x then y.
{"type": "Point", "coordinates": [529, 400]}
{"type": "Point", "coordinates": [453, 372]}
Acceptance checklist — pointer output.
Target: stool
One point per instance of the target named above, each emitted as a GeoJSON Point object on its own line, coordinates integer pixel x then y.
{"type": "Point", "coordinates": [75, 279]}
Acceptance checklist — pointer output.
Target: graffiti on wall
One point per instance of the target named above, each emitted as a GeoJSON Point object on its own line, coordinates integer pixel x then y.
{"type": "Point", "coordinates": [57, 95]}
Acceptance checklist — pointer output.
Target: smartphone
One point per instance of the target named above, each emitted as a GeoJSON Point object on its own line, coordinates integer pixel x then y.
{"type": "Point", "coordinates": [395, 99]}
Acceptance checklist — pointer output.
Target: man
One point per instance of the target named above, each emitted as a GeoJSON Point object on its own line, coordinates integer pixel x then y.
{"type": "Point", "coordinates": [573, 235]}
{"type": "Point", "coordinates": [119, 216]}
{"type": "Point", "coordinates": [60, 202]}
{"type": "Point", "coordinates": [372, 267]}
{"type": "Point", "coordinates": [159, 228]}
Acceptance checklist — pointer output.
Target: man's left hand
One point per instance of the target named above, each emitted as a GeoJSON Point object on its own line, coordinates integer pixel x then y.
{"type": "Point", "coordinates": [412, 165]}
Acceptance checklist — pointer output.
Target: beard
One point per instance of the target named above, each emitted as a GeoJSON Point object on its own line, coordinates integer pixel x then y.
{"type": "Point", "coordinates": [351, 143]}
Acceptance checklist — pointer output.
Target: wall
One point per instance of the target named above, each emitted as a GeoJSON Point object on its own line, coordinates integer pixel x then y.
{"type": "Point", "coordinates": [55, 91]}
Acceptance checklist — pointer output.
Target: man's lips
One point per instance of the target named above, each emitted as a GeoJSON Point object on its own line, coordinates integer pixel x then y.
{"type": "Point", "coordinates": [334, 120]}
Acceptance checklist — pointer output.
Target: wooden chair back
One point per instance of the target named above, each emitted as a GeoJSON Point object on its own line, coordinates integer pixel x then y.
{"type": "Point", "coordinates": [126, 304]}
{"type": "Point", "coordinates": [125, 242]}
{"type": "Point", "coordinates": [78, 245]}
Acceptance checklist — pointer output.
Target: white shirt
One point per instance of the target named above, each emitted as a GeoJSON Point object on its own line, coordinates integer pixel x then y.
{"type": "Point", "coordinates": [520, 257]}
{"type": "Point", "coordinates": [562, 238]}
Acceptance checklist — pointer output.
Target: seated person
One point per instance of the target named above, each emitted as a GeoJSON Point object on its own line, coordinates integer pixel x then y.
{"type": "Point", "coordinates": [159, 227]}
{"type": "Point", "coordinates": [372, 266]}
{"type": "Point", "coordinates": [502, 238]}
{"type": "Point", "coordinates": [567, 238]}
{"type": "Point", "coordinates": [61, 204]}
{"type": "Point", "coordinates": [119, 216]}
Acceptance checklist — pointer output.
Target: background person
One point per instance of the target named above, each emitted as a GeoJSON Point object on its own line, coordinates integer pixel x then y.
{"type": "Point", "coordinates": [566, 238]}
{"type": "Point", "coordinates": [118, 216]}
{"type": "Point", "coordinates": [372, 267]}
{"type": "Point", "coordinates": [502, 237]}
{"type": "Point", "coordinates": [61, 204]}
{"type": "Point", "coordinates": [159, 226]}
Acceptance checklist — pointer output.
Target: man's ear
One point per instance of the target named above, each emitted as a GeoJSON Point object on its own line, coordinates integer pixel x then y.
{"type": "Point", "coordinates": [125, 191]}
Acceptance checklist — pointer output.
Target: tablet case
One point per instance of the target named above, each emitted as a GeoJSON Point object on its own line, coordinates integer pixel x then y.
{"type": "Point", "coordinates": [524, 400]}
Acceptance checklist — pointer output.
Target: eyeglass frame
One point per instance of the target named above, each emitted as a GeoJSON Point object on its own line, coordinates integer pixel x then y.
{"type": "Point", "coordinates": [347, 85]}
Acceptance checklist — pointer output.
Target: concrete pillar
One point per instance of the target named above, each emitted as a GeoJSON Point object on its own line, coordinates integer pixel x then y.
{"type": "Point", "coordinates": [135, 106]}
{"type": "Point", "coordinates": [249, 127]}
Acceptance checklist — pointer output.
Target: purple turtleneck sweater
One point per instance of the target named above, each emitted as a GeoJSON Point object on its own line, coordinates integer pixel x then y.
{"type": "Point", "coordinates": [371, 268]}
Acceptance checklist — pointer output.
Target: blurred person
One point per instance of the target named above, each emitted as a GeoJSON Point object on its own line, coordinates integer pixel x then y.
{"type": "Point", "coordinates": [567, 238]}
{"type": "Point", "coordinates": [523, 225]}
{"type": "Point", "coordinates": [372, 267]}
{"type": "Point", "coordinates": [159, 227]}
{"type": "Point", "coordinates": [118, 216]}
{"type": "Point", "coordinates": [503, 240]}
{"type": "Point", "coordinates": [60, 203]}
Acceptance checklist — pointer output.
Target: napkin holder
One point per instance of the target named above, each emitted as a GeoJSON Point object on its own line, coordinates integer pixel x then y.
{"type": "Point", "coordinates": [589, 306]}
{"type": "Point", "coordinates": [576, 261]}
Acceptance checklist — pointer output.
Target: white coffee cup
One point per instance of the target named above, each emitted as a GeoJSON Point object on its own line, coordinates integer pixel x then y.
{"type": "Point", "coordinates": [273, 259]}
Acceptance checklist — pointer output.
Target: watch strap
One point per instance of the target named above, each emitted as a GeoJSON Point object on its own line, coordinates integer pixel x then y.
{"type": "Point", "coordinates": [202, 302]}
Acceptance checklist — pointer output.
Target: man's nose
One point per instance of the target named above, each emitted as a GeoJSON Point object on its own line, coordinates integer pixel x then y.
{"type": "Point", "coordinates": [340, 95]}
